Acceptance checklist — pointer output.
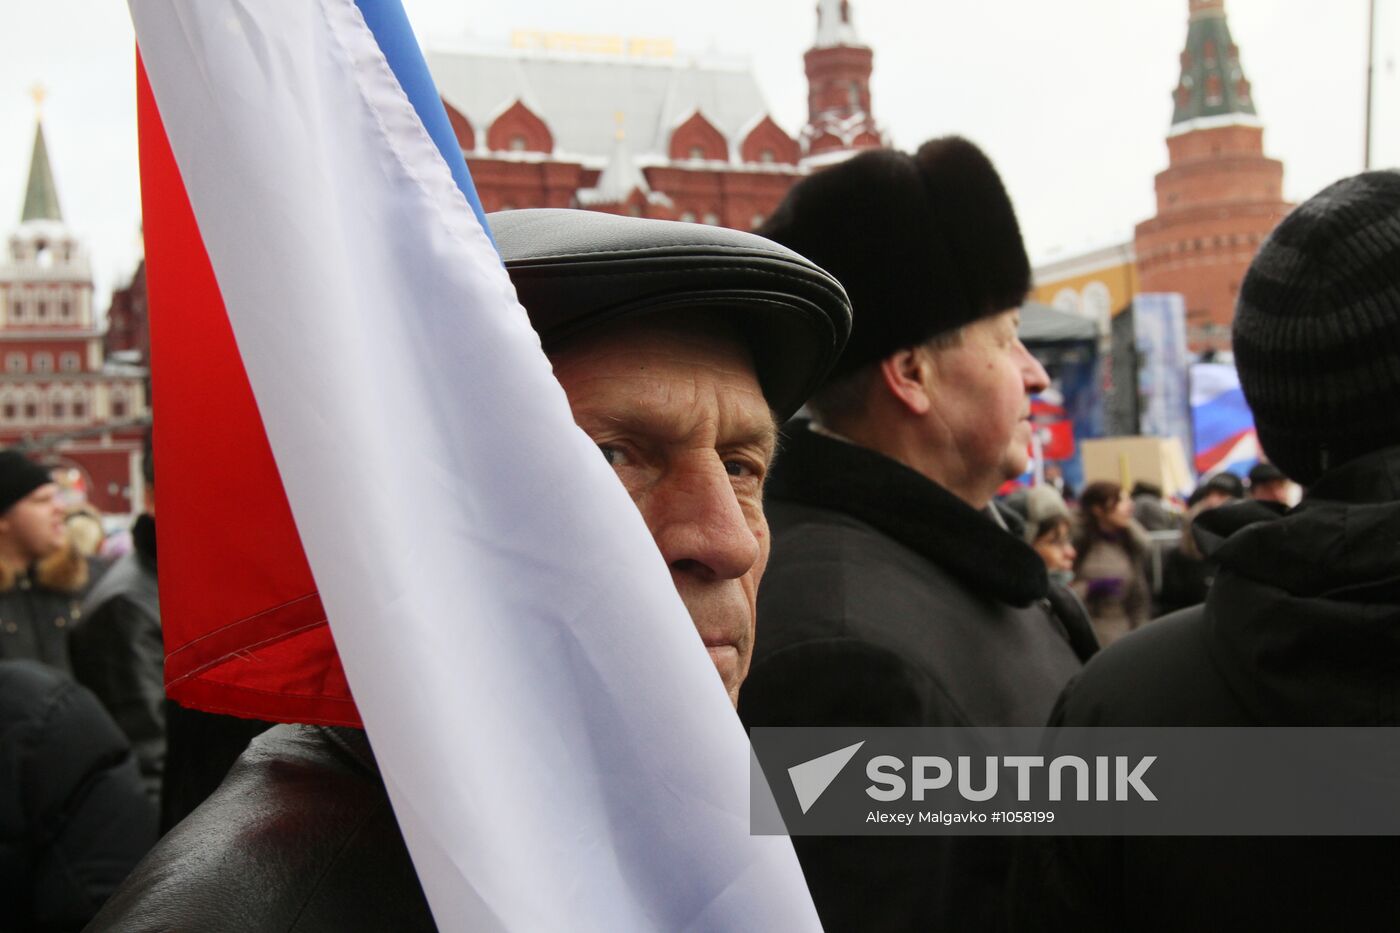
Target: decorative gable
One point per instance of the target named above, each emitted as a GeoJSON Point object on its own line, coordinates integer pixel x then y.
{"type": "Point", "coordinates": [519, 129]}
{"type": "Point", "coordinates": [767, 143]}
{"type": "Point", "coordinates": [697, 139]}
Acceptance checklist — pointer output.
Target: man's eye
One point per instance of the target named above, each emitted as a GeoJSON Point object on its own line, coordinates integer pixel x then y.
{"type": "Point", "coordinates": [612, 454]}
{"type": "Point", "coordinates": [738, 468]}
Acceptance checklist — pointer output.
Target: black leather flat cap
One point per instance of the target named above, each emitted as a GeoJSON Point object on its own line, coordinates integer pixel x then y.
{"type": "Point", "coordinates": [577, 270]}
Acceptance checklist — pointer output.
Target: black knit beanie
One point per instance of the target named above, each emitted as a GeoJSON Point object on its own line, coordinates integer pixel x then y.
{"type": "Point", "coordinates": [19, 476]}
{"type": "Point", "coordinates": [1317, 328]}
{"type": "Point", "coordinates": [923, 244]}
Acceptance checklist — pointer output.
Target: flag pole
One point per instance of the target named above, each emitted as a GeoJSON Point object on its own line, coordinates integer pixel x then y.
{"type": "Point", "coordinates": [1370, 78]}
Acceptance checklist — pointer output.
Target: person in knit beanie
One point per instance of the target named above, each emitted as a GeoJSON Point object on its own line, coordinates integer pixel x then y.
{"type": "Point", "coordinates": [1317, 329]}
{"type": "Point", "coordinates": [42, 576]}
{"type": "Point", "coordinates": [1301, 624]}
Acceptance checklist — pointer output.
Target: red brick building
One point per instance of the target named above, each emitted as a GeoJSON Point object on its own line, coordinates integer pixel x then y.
{"type": "Point", "coordinates": [626, 127]}
{"type": "Point", "coordinates": [630, 127]}
{"type": "Point", "coordinates": [59, 397]}
{"type": "Point", "coordinates": [1220, 195]}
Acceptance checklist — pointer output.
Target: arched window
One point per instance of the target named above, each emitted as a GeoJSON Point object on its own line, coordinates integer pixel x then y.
{"type": "Point", "coordinates": [15, 363]}
{"type": "Point", "coordinates": [58, 405]}
{"type": "Point", "coordinates": [43, 362]}
{"type": "Point", "coordinates": [80, 405]}
{"type": "Point", "coordinates": [31, 406]}
{"type": "Point", "coordinates": [70, 362]}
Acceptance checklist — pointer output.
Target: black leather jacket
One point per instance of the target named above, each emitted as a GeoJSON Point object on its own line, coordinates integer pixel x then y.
{"type": "Point", "coordinates": [300, 837]}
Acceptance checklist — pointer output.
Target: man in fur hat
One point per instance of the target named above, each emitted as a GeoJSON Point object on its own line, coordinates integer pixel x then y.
{"type": "Point", "coordinates": [895, 595]}
{"type": "Point", "coordinates": [42, 578]}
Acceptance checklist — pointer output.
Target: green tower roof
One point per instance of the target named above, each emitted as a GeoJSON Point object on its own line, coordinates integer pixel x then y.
{"type": "Point", "coordinates": [1212, 81]}
{"type": "Point", "coordinates": [41, 195]}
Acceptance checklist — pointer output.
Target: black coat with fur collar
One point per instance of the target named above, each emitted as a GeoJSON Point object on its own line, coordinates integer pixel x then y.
{"type": "Point", "coordinates": [888, 601]}
{"type": "Point", "coordinates": [38, 607]}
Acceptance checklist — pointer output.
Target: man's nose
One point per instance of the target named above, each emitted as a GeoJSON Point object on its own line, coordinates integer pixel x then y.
{"type": "Point", "coordinates": [1034, 376]}
{"type": "Point", "coordinates": [700, 526]}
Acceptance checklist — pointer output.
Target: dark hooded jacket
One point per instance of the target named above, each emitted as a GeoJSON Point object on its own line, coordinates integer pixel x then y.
{"type": "Point", "coordinates": [119, 654]}
{"type": "Point", "coordinates": [890, 602]}
{"type": "Point", "coordinates": [1301, 628]}
{"type": "Point", "coordinates": [73, 817]}
{"type": "Point", "coordinates": [39, 606]}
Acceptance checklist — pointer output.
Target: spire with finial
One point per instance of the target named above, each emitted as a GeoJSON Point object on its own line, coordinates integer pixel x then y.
{"type": "Point", "coordinates": [1212, 82]}
{"type": "Point", "coordinates": [620, 177]}
{"type": "Point", "coordinates": [834, 26]}
{"type": "Point", "coordinates": [40, 195]}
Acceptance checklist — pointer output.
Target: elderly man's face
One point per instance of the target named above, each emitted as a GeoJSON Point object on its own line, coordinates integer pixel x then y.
{"type": "Point", "coordinates": [678, 413]}
{"type": "Point", "coordinates": [981, 390]}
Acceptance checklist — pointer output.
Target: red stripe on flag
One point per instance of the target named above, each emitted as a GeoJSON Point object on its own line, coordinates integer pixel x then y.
{"type": "Point", "coordinates": [245, 632]}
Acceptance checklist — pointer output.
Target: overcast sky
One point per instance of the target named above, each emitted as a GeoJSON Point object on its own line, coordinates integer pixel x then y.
{"type": "Point", "coordinates": [1072, 99]}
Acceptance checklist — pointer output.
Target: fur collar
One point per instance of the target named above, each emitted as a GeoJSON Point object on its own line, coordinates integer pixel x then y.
{"type": "Point", "coordinates": [832, 474]}
{"type": "Point", "coordinates": [65, 571]}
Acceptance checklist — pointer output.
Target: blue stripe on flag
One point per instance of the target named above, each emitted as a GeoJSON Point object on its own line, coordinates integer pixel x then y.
{"type": "Point", "coordinates": [387, 20]}
{"type": "Point", "coordinates": [1224, 416]}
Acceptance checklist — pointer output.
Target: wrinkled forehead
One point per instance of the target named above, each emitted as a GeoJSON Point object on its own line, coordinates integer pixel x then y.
{"type": "Point", "coordinates": [652, 368]}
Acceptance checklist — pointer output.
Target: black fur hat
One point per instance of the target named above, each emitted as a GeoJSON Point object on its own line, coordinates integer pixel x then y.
{"type": "Point", "coordinates": [923, 244]}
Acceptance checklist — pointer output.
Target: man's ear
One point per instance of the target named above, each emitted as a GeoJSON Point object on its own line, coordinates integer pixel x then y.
{"type": "Point", "coordinates": [907, 374]}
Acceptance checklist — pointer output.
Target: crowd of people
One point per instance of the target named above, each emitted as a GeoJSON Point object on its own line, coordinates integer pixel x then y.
{"type": "Point", "coordinates": [852, 566]}
{"type": "Point", "coordinates": [1130, 555]}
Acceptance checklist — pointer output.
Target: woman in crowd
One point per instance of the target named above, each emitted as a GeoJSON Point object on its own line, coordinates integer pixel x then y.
{"type": "Point", "coordinates": [1049, 529]}
{"type": "Point", "coordinates": [1110, 568]}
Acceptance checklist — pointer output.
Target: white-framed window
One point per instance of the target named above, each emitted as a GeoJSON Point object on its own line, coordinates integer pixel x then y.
{"type": "Point", "coordinates": [29, 406]}
{"type": "Point", "coordinates": [43, 362]}
{"type": "Point", "coordinates": [119, 402]}
{"type": "Point", "coordinates": [70, 362]}
{"type": "Point", "coordinates": [9, 406]}
{"type": "Point", "coordinates": [711, 218]}
{"type": "Point", "coordinates": [16, 363]}
{"type": "Point", "coordinates": [58, 404]}
{"type": "Point", "coordinates": [81, 405]}
{"type": "Point", "coordinates": [41, 309]}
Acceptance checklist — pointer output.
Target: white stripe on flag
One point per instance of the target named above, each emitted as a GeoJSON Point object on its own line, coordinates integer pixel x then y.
{"type": "Point", "coordinates": [559, 751]}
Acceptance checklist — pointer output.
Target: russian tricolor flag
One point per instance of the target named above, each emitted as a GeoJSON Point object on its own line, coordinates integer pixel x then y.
{"type": "Point", "coordinates": [355, 425]}
{"type": "Point", "coordinates": [1221, 421]}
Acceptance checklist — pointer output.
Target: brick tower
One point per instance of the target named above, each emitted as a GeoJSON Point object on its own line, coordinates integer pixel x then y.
{"type": "Point", "coordinates": [839, 118]}
{"type": "Point", "coordinates": [1220, 195]}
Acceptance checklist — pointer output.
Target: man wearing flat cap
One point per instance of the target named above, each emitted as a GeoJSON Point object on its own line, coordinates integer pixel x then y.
{"type": "Point", "coordinates": [896, 596]}
{"type": "Point", "coordinates": [42, 579]}
{"type": "Point", "coordinates": [678, 346]}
